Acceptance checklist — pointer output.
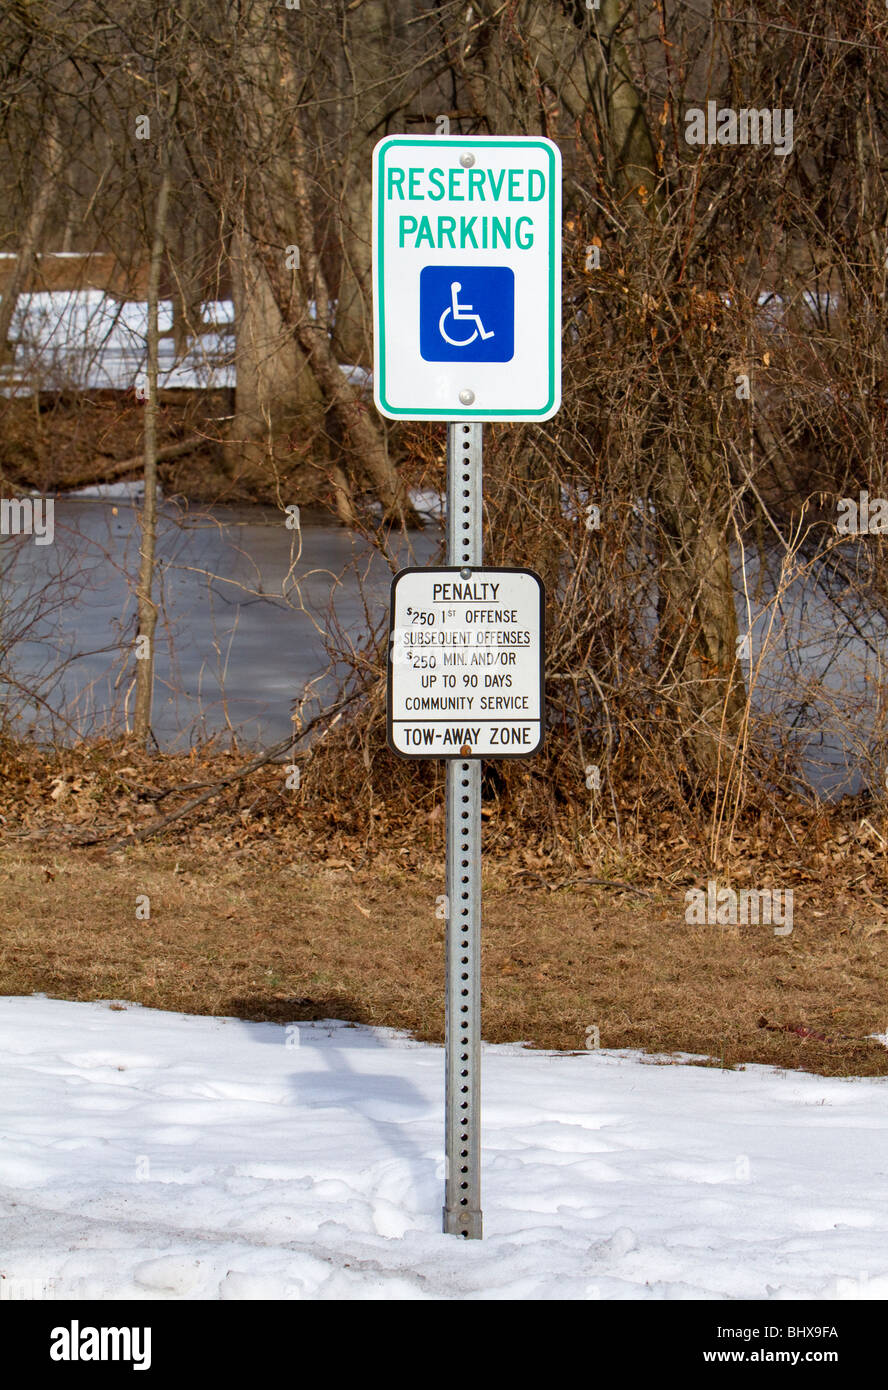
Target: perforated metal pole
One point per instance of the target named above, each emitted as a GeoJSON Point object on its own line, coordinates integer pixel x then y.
{"type": "Point", "coordinates": [462, 1047]}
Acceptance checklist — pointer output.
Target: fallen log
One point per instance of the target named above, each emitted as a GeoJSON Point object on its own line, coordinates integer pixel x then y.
{"type": "Point", "coordinates": [102, 471]}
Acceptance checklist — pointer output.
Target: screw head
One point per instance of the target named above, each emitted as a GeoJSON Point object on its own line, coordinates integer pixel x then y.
{"type": "Point", "coordinates": [467, 159]}
{"type": "Point", "coordinates": [467, 397]}
{"type": "Point", "coordinates": [465, 574]}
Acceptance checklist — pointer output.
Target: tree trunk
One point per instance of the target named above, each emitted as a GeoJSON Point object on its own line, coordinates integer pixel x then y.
{"type": "Point", "coordinates": [360, 435]}
{"type": "Point", "coordinates": [353, 335]}
{"type": "Point", "coordinates": [277, 395]}
{"type": "Point", "coordinates": [147, 608]}
{"type": "Point", "coordinates": [697, 617]}
{"type": "Point", "coordinates": [369, 95]}
{"type": "Point", "coordinates": [49, 163]}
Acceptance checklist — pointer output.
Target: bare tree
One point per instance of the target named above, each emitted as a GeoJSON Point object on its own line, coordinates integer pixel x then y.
{"type": "Point", "coordinates": [147, 608]}
{"type": "Point", "coordinates": [49, 161]}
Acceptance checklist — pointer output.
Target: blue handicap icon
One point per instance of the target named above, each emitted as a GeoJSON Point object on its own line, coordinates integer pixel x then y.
{"type": "Point", "coordinates": [467, 313]}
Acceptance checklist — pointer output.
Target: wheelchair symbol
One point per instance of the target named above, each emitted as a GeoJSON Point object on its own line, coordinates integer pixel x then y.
{"type": "Point", "coordinates": [461, 313]}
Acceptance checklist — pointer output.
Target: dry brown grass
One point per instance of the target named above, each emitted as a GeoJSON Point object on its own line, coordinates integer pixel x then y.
{"type": "Point", "coordinates": [273, 931]}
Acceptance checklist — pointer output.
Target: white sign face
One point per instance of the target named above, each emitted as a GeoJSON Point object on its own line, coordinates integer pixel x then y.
{"type": "Point", "coordinates": [467, 277]}
{"type": "Point", "coordinates": [465, 674]}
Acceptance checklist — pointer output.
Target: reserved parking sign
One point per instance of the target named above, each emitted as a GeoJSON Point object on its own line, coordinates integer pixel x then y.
{"type": "Point", "coordinates": [467, 277]}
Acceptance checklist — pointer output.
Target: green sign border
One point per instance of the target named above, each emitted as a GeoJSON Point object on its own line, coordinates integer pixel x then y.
{"type": "Point", "coordinates": [449, 412]}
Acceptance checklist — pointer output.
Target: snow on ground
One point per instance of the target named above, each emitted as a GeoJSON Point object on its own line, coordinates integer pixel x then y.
{"type": "Point", "coordinates": [150, 1155]}
{"type": "Point", "coordinates": [88, 340]}
{"type": "Point", "coordinates": [428, 502]}
{"type": "Point", "coordinates": [131, 491]}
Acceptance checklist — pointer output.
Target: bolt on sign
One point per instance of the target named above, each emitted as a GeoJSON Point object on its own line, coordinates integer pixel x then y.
{"type": "Point", "coordinates": [466, 663]}
{"type": "Point", "coordinates": [467, 277]}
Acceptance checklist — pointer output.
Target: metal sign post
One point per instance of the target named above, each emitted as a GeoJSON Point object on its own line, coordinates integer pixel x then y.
{"type": "Point", "coordinates": [465, 682]}
{"type": "Point", "coordinates": [466, 315]}
{"type": "Point", "coordinates": [462, 1009]}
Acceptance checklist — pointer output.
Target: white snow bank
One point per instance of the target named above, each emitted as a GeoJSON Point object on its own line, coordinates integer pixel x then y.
{"type": "Point", "coordinates": [88, 340]}
{"type": "Point", "coordinates": [130, 491]}
{"type": "Point", "coordinates": [150, 1155]}
{"type": "Point", "coordinates": [428, 502]}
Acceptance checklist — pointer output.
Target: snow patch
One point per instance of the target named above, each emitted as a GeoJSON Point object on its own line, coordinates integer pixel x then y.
{"type": "Point", "coordinates": [156, 1155]}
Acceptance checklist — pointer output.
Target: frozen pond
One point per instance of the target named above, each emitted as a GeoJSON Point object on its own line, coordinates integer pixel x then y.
{"type": "Point", "coordinates": [245, 608]}
{"type": "Point", "coordinates": [252, 616]}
